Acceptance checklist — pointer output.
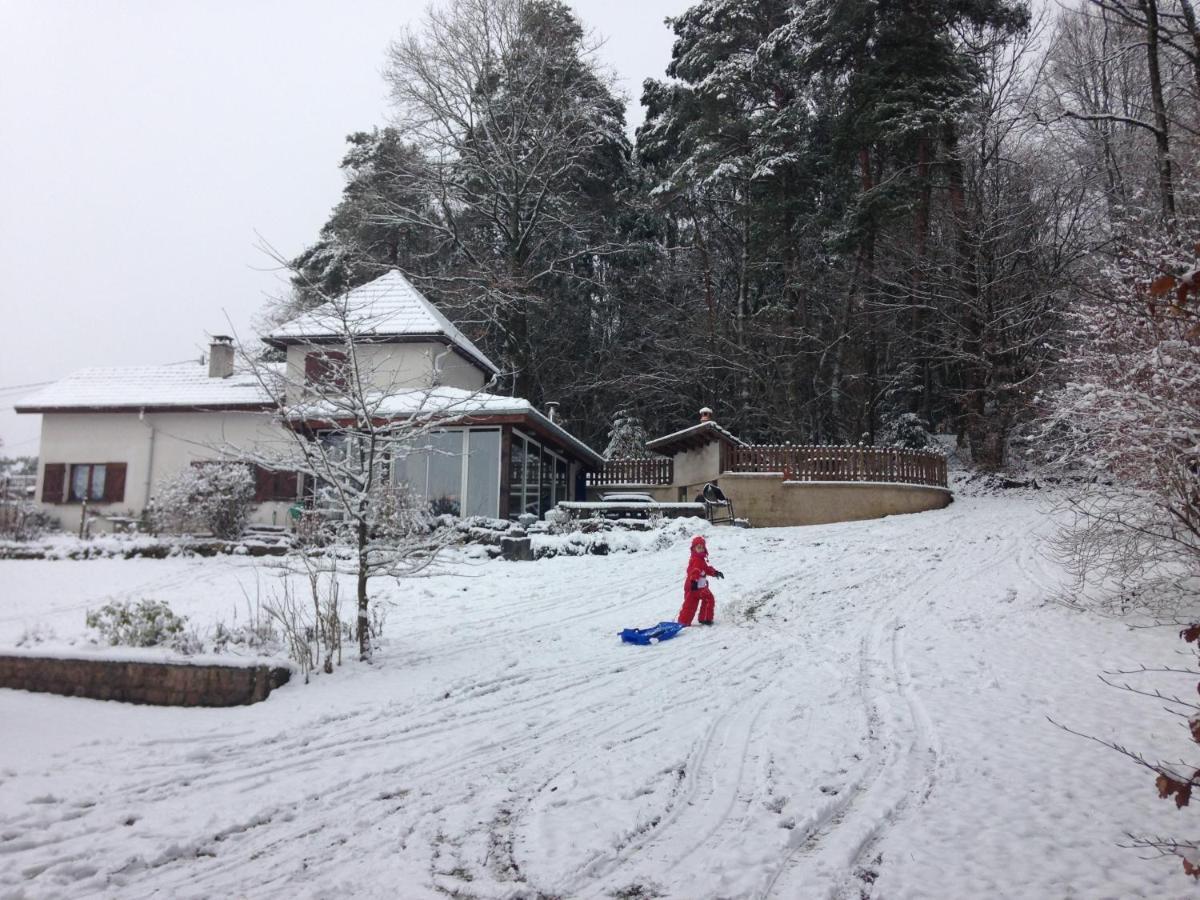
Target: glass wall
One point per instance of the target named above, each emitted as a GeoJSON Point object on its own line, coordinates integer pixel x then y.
{"type": "Point", "coordinates": [444, 483]}
{"type": "Point", "coordinates": [516, 476]}
{"type": "Point", "coordinates": [483, 473]}
{"type": "Point", "coordinates": [537, 477]}
{"type": "Point", "coordinates": [457, 471]}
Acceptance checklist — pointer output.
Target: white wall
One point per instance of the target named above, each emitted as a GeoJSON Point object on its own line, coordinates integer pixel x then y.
{"type": "Point", "coordinates": [399, 365]}
{"type": "Point", "coordinates": [698, 467]}
{"type": "Point", "coordinates": [152, 447]}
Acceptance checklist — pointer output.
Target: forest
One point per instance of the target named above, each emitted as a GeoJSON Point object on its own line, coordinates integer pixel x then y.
{"type": "Point", "coordinates": [837, 218]}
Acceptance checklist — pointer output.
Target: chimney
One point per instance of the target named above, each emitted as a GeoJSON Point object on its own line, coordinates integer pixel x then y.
{"type": "Point", "coordinates": [552, 410]}
{"type": "Point", "coordinates": [220, 356]}
{"type": "Point", "coordinates": [705, 415]}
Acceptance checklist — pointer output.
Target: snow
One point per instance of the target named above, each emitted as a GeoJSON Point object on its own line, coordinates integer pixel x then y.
{"type": "Point", "coordinates": [445, 400]}
{"type": "Point", "coordinates": [183, 385]}
{"type": "Point", "coordinates": [717, 430]}
{"type": "Point", "coordinates": [868, 718]}
{"type": "Point", "coordinates": [414, 401]}
{"type": "Point", "coordinates": [387, 306]}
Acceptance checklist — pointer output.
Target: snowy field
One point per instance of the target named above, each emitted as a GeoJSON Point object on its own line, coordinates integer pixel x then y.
{"type": "Point", "coordinates": [868, 719]}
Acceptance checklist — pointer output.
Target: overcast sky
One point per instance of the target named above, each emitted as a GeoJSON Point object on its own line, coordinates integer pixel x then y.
{"type": "Point", "coordinates": [144, 147]}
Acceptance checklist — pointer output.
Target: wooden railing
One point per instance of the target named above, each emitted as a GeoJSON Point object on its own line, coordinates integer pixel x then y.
{"type": "Point", "coordinates": [814, 463]}
{"type": "Point", "coordinates": [656, 470]}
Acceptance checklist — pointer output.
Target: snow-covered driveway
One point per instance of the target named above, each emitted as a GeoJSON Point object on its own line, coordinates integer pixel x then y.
{"type": "Point", "coordinates": [868, 719]}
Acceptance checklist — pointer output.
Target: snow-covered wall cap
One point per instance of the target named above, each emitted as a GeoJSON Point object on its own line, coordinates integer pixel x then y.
{"type": "Point", "coordinates": [389, 306]}
{"type": "Point", "coordinates": [183, 385]}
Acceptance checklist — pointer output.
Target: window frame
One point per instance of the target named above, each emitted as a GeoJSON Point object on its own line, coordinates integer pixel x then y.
{"type": "Point", "coordinates": [91, 467]}
{"type": "Point", "coordinates": [463, 453]}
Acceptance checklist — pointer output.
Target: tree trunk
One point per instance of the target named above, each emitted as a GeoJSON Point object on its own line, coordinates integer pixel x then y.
{"type": "Point", "coordinates": [1162, 134]}
{"type": "Point", "coordinates": [364, 622]}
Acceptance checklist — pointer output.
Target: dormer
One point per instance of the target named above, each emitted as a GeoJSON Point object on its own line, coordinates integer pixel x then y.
{"type": "Point", "coordinates": [402, 341]}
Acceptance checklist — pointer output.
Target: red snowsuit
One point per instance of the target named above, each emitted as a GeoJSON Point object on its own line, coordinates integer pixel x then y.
{"type": "Point", "coordinates": [695, 590]}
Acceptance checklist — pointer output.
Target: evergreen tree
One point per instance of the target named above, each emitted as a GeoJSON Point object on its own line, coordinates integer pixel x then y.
{"type": "Point", "coordinates": [626, 437]}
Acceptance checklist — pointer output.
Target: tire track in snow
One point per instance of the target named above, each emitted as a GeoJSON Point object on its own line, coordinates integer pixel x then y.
{"type": "Point", "coordinates": [839, 837]}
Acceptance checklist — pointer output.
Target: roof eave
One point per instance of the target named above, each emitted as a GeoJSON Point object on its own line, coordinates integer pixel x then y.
{"type": "Point", "coordinates": [282, 342]}
{"type": "Point", "coordinates": [146, 408]}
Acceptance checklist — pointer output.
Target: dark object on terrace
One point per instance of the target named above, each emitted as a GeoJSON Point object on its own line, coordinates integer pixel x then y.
{"type": "Point", "coordinates": [718, 508]}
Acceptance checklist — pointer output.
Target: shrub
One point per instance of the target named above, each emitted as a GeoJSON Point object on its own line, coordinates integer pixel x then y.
{"type": "Point", "coordinates": [23, 521]}
{"type": "Point", "coordinates": [148, 623]}
{"type": "Point", "coordinates": [907, 430]}
{"type": "Point", "coordinates": [216, 497]}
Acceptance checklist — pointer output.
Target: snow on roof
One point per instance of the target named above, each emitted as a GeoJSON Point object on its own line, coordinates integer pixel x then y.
{"type": "Point", "coordinates": [455, 402]}
{"type": "Point", "coordinates": [184, 385]}
{"type": "Point", "coordinates": [697, 431]}
{"type": "Point", "coordinates": [440, 400]}
{"type": "Point", "coordinates": [389, 306]}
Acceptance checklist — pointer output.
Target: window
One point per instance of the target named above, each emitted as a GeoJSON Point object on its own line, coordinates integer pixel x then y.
{"type": "Point", "coordinates": [561, 491]}
{"type": "Point", "coordinates": [80, 482]}
{"type": "Point", "coordinates": [456, 471]}
{"type": "Point", "coordinates": [533, 458]}
{"type": "Point", "coordinates": [536, 477]}
{"type": "Point", "coordinates": [516, 476]}
{"type": "Point", "coordinates": [87, 482]}
{"type": "Point", "coordinates": [444, 484]}
{"type": "Point", "coordinates": [546, 496]}
{"type": "Point", "coordinates": [483, 473]}
{"type": "Point", "coordinates": [326, 368]}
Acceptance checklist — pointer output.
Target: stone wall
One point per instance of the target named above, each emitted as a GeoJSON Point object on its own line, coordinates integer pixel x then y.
{"type": "Point", "coordinates": [160, 684]}
{"type": "Point", "coordinates": [767, 500]}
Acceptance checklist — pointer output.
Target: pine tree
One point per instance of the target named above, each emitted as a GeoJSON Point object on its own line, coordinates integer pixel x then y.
{"type": "Point", "coordinates": [627, 437]}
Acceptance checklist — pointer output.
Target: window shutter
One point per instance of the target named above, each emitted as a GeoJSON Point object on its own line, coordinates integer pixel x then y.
{"type": "Point", "coordinates": [335, 369]}
{"type": "Point", "coordinates": [272, 485]}
{"type": "Point", "coordinates": [314, 368]}
{"type": "Point", "coordinates": [114, 483]}
{"type": "Point", "coordinates": [286, 486]}
{"type": "Point", "coordinates": [54, 482]}
{"type": "Point", "coordinates": [264, 481]}
{"type": "Point", "coordinates": [327, 368]}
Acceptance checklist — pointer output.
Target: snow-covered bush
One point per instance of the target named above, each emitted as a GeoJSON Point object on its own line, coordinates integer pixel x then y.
{"type": "Point", "coordinates": [148, 623]}
{"type": "Point", "coordinates": [216, 497]}
{"type": "Point", "coordinates": [1124, 425]}
{"type": "Point", "coordinates": [907, 430]}
{"type": "Point", "coordinates": [23, 521]}
{"type": "Point", "coordinates": [259, 637]}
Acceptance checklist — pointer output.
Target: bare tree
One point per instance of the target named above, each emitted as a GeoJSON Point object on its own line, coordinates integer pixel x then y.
{"type": "Point", "coordinates": [350, 418]}
{"type": "Point", "coordinates": [522, 146]}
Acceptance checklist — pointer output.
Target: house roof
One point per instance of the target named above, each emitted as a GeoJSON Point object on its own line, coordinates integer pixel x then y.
{"type": "Point", "coordinates": [692, 438]}
{"type": "Point", "coordinates": [185, 387]}
{"type": "Point", "coordinates": [458, 404]}
{"type": "Point", "coordinates": [182, 386]}
{"type": "Point", "coordinates": [387, 308]}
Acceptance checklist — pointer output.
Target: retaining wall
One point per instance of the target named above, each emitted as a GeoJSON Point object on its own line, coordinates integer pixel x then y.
{"type": "Point", "coordinates": [767, 500]}
{"type": "Point", "coordinates": [160, 684]}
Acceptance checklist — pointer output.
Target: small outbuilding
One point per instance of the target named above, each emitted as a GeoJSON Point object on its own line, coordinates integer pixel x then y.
{"type": "Point", "coordinates": [780, 484]}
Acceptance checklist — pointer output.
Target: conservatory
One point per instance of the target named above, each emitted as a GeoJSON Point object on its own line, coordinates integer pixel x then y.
{"type": "Point", "coordinates": [498, 472]}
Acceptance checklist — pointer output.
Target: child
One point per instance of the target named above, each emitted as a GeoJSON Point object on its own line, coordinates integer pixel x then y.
{"type": "Point", "coordinates": [695, 588]}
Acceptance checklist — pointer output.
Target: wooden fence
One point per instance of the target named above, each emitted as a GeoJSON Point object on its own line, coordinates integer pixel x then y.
{"type": "Point", "coordinates": [812, 463]}
{"type": "Point", "coordinates": [656, 470]}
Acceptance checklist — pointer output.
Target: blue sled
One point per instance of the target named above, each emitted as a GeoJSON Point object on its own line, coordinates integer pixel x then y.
{"type": "Point", "coordinates": [663, 631]}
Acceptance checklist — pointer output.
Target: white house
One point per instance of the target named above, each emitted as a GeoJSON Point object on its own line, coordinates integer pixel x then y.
{"type": "Point", "coordinates": [110, 435]}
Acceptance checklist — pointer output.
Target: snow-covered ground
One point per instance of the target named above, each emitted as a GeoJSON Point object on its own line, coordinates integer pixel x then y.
{"type": "Point", "coordinates": [867, 719]}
